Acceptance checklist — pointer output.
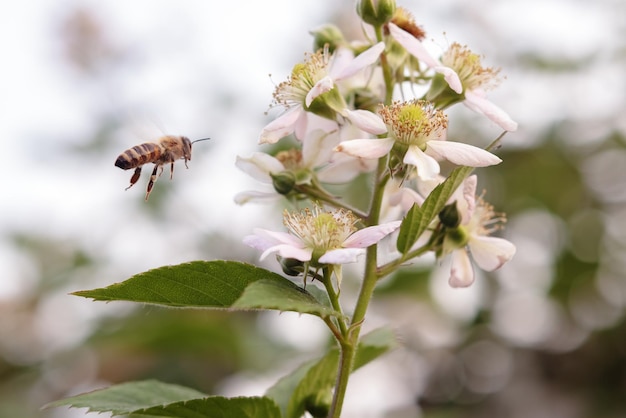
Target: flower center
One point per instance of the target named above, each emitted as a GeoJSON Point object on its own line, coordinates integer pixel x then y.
{"type": "Point", "coordinates": [414, 122]}
{"type": "Point", "coordinates": [319, 229]}
{"type": "Point", "coordinates": [291, 159]}
{"type": "Point", "coordinates": [302, 79]}
{"type": "Point", "coordinates": [484, 220]}
{"type": "Point", "coordinates": [467, 65]}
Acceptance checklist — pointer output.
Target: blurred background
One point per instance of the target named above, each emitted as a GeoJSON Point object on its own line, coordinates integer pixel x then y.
{"type": "Point", "coordinates": [83, 80]}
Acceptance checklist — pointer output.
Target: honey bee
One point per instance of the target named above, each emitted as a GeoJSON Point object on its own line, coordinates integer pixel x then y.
{"type": "Point", "coordinates": [166, 150]}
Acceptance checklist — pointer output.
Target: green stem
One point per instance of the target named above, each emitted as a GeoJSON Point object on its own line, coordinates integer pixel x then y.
{"type": "Point", "coordinates": [387, 73]}
{"type": "Point", "coordinates": [348, 347]}
{"type": "Point", "coordinates": [334, 301]}
{"type": "Point", "coordinates": [391, 266]}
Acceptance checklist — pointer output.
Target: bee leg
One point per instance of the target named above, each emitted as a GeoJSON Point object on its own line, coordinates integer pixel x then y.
{"type": "Point", "coordinates": [172, 170]}
{"type": "Point", "coordinates": [153, 179]}
{"type": "Point", "coordinates": [135, 177]}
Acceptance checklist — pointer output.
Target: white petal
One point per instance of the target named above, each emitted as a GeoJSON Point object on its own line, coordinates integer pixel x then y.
{"type": "Point", "coordinates": [317, 147]}
{"type": "Point", "coordinates": [405, 198]}
{"type": "Point", "coordinates": [321, 87]}
{"type": "Point", "coordinates": [477, 101]}
{"type": "Point", "coordinates": [461, 272]}
{"type": "Point", "coordinates": [462, 154]}
{"type": "Point", "coordinates": [367, 121]}
{"type": "Point", "coordinates": [366, 148]}
{"type": "Point", "coordinates": [427, 167]}
{"type": "Point", "coordinates": [371, 235]}
{"type": "Point", "coordinates": [469, 197]}
{"type": "Point", "coordinates": [257, 242]}
{"type": "Point", "coordinates": [288, 251]}
{"type": "Point", "coordinates": [255, 196]}
{"type": "Point", "coordinates": [344, 167]}
{"type": "Point", "coordinates": [281, 126]}
{"type": "Point", "coordinates": [451, 77]}
{"type": "Point", "coordinates": [364, 59]}
{"type": "Point", "coordinates": [277, 242]}
{"type": "Point", "coordinates": [275, 237]}
{"type": "Point", "coordinates": [259, 165]}
{"type": "Point", "coordinates": [490, 253]}
{"type": "Point", "coordinates": [425, 187]}
{"type": "Point", "coordinates": [341, 256]}
{"type": "Point", "coordinates": [417, 49]}
{"type": "Point", "coordinates": [412, 45]}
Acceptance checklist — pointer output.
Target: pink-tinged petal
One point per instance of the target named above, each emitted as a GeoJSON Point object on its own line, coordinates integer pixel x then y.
{"type": "Point", "coordinates": [461, 272]}
{"type": "Point", "coordinates": [255, 196]}
{"type": "Point", "coordinates": [427, 167]}
{"type": "Point", "coordinates": [259, 166]}
{"type": "Point", "coordinates": [324, 85]}
{"type": "Point", "coordinates": [417, 49]}
{"type": "Point", "coordinates": [274, 237]}
{"type": "Point", "coordinates": [341, 256]}
{"type": "Point", "coordinates": [412, 45]}
{"type": "Point", "coordinates": [257, 242]}
{"type": "Point", "coordinates": [282, 243]}
{"type": "Point", "coordinates": [405, 198]}
{"type": "Point", "coordinates": [364, 59]}
{"type": "Point", "coordinates": [365, 237]}
{"type": "Point", "coordinates": [302, 126]}
{"type": "Point", "coordinates": [288, 251]}
{"type": "Point", "coordinates": [477, 101]}
{"type": "Point", "coordinates": [367, 121]}
{"type": "Point", "coordinates": [490, 253]}
{"type": "Point", "coordinates": [366, 148]}
{"type": "Point", "coordinates": [281, 126]}
{"type": "Point", "coordinates": [317, 147]}
{"type": "Point", "coordinates": [344, 167]}
{"type": "Point", "coordinates": [426, 187]}
{"type": "Point", "coordinates": [469, 197]}
{"type": "Point", "coordinates": [462, 154]}
{"type": "Point", "coordinates": [451, 77]}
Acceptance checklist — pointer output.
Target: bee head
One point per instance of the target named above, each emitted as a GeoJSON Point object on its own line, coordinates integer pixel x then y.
{"type": "Point", "coordinates": [186, 147]}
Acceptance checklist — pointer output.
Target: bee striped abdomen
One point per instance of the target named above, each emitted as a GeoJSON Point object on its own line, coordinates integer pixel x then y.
{"type": "Point", "coordinates": [138, 155]}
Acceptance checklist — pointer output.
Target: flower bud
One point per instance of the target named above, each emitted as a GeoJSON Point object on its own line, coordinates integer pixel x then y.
{"type": "Point", "coordinates": [449, 216]}
{"type": "Point", "coordinates": [291, 266]}
{"type": "Point", "coordinates": [376, 12]}
{"type": "Point", "coordinates": [283, 182]}
{"type": "Point", "coordinates": [327, 36]}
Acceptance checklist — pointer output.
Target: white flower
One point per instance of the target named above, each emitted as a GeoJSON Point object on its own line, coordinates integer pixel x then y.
{"type": "Point", "coordinates": [476, 79]}
{"type": "Point", "coordinates": [319, 237]}
{"type": "Point", "coordinates": [316, 159]}
{"type": "Point", "coordinates": [316, 76]}
{"type": "Point", "coordinates": [418, 131]}
{"type": "Point", "coordinates": [477, 221]}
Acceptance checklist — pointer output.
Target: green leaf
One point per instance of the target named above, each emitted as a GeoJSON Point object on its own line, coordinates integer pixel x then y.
{"type": "Point", "coordinates": [127, 397]}
{"type": "Point", "coordinates": [409, 229]}
{"type": "Point", "coordinates": [216, 407]}
{"type": "Point", "coordinates": [155, 399]}
{"type": "Point", "coordinates": [213, 284]}
{"type": "Point", "coordinates": [293, 392]}
{"type": "Point", "coordinates": [282, 296]}
{"type": "Point", "coordinates": [419, 218]}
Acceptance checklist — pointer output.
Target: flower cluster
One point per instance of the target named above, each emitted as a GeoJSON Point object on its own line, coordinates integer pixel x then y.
{"type": "Point", "coordinates": [349, 110]}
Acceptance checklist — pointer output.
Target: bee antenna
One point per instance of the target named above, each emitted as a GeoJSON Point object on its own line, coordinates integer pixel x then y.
{"type": "Point", "coordinates": [197, 140]}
